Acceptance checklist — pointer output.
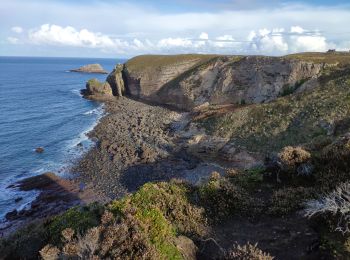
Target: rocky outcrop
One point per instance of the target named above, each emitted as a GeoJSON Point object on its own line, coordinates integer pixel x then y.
{"type": "Point", "coordinates": [116, 81]}
{"type": "Point", "coordinates": [91, 68]}
{"type": "Point", "coordinates": [147, 74]}
{"type": "Point", "coordinates": [97, 90]}
{"type": "Point", "coordinates": [187, 82]}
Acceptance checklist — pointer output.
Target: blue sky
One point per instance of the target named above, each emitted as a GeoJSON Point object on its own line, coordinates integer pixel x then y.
{"type": "Point", "coordinates": [94, 28]}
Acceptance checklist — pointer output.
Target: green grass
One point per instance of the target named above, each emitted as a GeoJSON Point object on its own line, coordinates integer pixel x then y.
{"type": "Point", "coordinates": [341, 58]}
{"type": "Point", "coordinates": [154, 62]}
{"type": "Point", "coordinates": [164, 211]}
{"type": "Point", "coordinates": [78, 218]}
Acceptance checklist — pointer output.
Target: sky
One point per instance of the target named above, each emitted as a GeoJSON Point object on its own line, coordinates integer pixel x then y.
{"type": "Point", "coordinates": [122, 29]}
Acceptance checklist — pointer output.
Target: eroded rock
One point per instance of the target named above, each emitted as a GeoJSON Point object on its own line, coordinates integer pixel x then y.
{"type": "Point", "coordinates": [97, 90]}
{"type": "Point", "coordinates": [90, 68]}
{"type": "Point", "coordinates": [116, 81]}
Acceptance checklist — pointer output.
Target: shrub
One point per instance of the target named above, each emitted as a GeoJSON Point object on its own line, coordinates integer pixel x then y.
{"type": "Point", "coordinates": [288, 200]}
{"type": "Point", "coordinates": [337, 203]}
{"type": "Point", "coordinates": [291, 157]}
{"type": "Point", "coordinates": [221, 198]}
{"type": "Point", "coordinates": [79, 219]}
{"type": "Point", "coordinates": [163, 210]}
{"type": "Point", "coordinates": [332, 164]}
{"type": "Point", "coordinates": [24, 243]}
{"type": "Point", "coordinates": [112, 239]}
{"type": "Point", "coordinates": [49, 252]}
{"type": "Point", "coordinates": [248, 179]}
{"type": "Point", "coordinates": [246, 252]}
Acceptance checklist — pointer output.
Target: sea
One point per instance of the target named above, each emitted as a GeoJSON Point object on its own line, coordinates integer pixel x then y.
{"type": "Point", "coordinates": [41, 106]}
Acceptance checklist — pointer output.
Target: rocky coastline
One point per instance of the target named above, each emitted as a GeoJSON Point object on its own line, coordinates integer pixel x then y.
{"type": "Point", "coordinates": [141, 139]}
{"type": "Point", "coordinates": [224, 134]}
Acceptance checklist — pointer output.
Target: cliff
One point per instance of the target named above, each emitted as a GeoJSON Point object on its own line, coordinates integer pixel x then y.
{"type": "Point", "coordinates": [187, 81]}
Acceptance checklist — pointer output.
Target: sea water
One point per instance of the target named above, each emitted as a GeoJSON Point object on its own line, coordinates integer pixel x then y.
{"type": "Point", "coordinates": [41, 106]}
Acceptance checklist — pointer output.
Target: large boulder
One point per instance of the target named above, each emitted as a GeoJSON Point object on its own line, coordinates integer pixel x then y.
{"type": "Point", "coordinates": [91, 68]}
{"type": "Point", "coordinates": [115, 80]}
{"type": "Point", "coordinates": [97, 90]}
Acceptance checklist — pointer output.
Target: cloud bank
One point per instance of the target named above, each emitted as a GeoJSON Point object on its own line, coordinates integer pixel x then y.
{"type": "Point", "coordinates": [130, 28]}
{"type": "Point", "coordinates": [268, 41]}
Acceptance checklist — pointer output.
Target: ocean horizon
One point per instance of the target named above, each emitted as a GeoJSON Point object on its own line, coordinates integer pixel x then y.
{"type": "Point", "coordinates": [41, 106]}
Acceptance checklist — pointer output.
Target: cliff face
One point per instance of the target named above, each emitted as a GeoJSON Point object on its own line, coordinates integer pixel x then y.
{"type": "Point", "coordinates": [188, 81]}
{"type": "Point", "coordinates": [146, 75]}
{"type": "Point", "coordinates": [218, 79]}
{"type": "Point", "coordinates": [116, 81]}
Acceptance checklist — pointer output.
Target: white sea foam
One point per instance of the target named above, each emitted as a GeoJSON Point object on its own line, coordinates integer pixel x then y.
{"type": "Point", "coordinates": [76, 92]}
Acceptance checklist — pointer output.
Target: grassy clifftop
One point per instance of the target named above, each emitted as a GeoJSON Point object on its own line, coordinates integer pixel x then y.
{"type": "Point", "coordinates": [154, 62]}
{"type": "Point", "coordinates": [340, 58]}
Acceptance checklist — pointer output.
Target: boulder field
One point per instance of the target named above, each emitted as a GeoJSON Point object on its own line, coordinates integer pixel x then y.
{"type": "Point", "coordinates": [188, 81]}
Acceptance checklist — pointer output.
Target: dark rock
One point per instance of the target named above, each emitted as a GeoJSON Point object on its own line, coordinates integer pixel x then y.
{"type": "Point", "coordinates": [39, 149]}
{"type": "Point", "coordinates": [18, 199]}
{"type": "Point", "coordinates": [11, 215]}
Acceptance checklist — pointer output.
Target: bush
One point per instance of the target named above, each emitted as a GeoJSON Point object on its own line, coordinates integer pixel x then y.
{"type": "Point", "coordinates": [291, 157]}
{"type": "Point", "coordinates": [24, 243]}
{"type": "Point", "coordinates": [332, 164]}
{"type": "Point", "coordinates": [78, 219]}
{"type": "Point", "coordinates": [246, 252]}
{"type": "Point", "coordinates": [113, 239]}
{"type": "Point", "coordinates": [288, 200]}
{"type": "Point", "coordinates": [221, 198]}
{"type": "Point", "coordinates": [337, 203]}
{"type": "Point", "coordinates": [163, 211]}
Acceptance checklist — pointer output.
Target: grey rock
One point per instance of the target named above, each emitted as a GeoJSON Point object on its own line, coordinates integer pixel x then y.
{"type": "Point", "coordinates": [97, 90]}
{"type": "Point", "coordinates": [190, 83]}
{"type": "Point", "coordinates": [90, 68]}
{"type": "Point", "coordinates": [115, 80]}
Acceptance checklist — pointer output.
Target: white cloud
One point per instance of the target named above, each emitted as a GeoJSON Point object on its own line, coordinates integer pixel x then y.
{"type": "Point", "coordinates": [174, 42]}
{"type": "Point", "coordinates": [69, 36]}
{"type": "Point", "coordinates": [275, 41]}
{"type": "Point", "coordinates": [204, 36]}
{"type": "Point", "coordinates": [296, 29]}
{"type": "Point", "coordinates": [268, 41]}
{"type": "Point", "coordinates": [224, 41]}
{"type": "Point", "coordinates": [174, 30]}
{"type": "Point", "coordinates": [309, 43]}
{"type": "Point", "coordinates": [17, 29]}
{"type": "Point", "coordinates": [12, 40]}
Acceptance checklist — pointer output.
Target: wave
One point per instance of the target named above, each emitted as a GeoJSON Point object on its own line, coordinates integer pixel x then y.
{"type": "Point", "coordinates": [76, 92]}
{"type": "Point", "coordinates": [96, 111]}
